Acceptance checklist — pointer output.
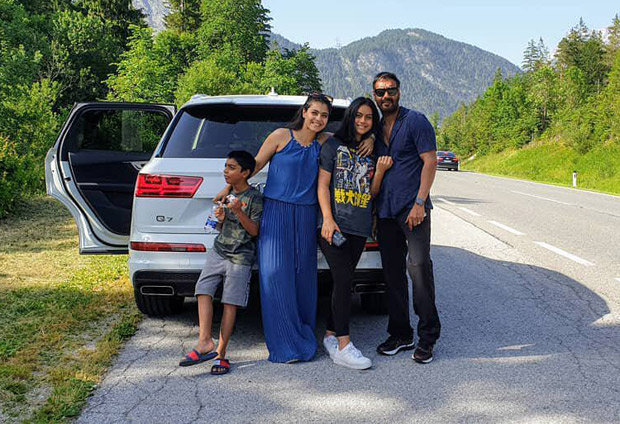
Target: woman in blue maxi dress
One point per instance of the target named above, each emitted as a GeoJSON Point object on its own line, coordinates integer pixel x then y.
{"type": "Point", "coordinates": [287, 260]}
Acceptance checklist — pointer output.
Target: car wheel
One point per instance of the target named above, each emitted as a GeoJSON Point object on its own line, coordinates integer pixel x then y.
{"type": "Point", "coordinates": [158, 305]}
{"type": "Point", "coordinates": [374, 303]}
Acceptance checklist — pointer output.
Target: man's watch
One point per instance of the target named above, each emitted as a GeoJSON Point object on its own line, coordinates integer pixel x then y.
{"type": "Point", "coordinates": [419, 201]}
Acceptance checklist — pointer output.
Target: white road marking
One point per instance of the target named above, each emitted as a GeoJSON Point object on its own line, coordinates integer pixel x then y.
{"type": "Point", "coordinates": [618, 279]}
{"type": "Point", "coordinates": [564, 253]}
{"type": "Point", "coordinates": [507, 228]}
{"type": "Point", "coordinates": [469, 211]}
{"type": "Point", "coordinates": [542, 198]}
{"type": "Point", "coordinates": [441, 199]}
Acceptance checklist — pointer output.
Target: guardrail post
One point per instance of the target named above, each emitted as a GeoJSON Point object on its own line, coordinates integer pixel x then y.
{"type": "Point", "coordinates": [574, 178]}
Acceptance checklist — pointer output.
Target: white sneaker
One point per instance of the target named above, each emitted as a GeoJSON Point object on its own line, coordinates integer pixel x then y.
{"type": "Point", "coordinates": [330, 343]}
{"type": "Point", "coordinates": [351, 357]}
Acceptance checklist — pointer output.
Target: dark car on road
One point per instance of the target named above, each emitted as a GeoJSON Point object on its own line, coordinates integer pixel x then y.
{"type": "Point", "coordinates": [447, 160]}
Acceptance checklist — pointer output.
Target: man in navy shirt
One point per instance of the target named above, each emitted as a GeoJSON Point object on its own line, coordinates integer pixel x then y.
{"type": "Point", "coordinates": [404, 220]}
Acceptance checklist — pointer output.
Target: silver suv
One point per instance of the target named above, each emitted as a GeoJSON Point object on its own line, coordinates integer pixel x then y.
{"type": "Point", "coordinates": [139, 178]}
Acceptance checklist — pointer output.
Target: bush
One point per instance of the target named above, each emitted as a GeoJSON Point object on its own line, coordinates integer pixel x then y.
{"type": "Point", "coordinates": [28, 127]}
{"type": "Point", "coordinates": [15, 174]}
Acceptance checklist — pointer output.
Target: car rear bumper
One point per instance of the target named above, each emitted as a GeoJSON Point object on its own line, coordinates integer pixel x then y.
{"type": "Point", "coordinates": [183, 282]}
{"type": "Point", "coordinates": [176, 273]}
{"type": "Point", "coordinates": [448, 165]}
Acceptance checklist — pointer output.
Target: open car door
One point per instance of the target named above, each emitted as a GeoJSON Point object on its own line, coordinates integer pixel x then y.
{"type": "Point", "coordinates": [93, 166]}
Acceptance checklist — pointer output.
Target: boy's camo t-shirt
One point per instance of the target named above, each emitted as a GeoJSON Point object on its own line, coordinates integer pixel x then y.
{"type": "Point", "coordinates": [349, 186]}
{"type": "Point", "coordinates": [234, 242]}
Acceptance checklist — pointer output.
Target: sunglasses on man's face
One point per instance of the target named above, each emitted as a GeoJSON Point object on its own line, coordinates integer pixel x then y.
{"type": "Point", "coordinates": [392, 91]}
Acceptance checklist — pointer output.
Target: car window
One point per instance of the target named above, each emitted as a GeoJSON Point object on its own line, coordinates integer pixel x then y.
{"type": "Point", "coordinates": [118, 130]}
{"type": "Point", "coordinates": [448, 154]}
{"type": "Point", "coordinates": [211, 131]}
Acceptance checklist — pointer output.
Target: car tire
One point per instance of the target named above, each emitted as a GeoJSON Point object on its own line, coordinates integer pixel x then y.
{"type": "Point", "coordinates": [158, 305]}
{"type": "Point", "coordinates": [374, 303]}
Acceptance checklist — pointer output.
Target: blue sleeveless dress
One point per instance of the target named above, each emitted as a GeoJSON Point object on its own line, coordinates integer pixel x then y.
{"type": "Point", "coordinates": [287, 250]}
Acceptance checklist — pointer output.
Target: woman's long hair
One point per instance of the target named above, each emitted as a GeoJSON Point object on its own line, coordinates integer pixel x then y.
{"type": "Point", "coordinates": [346, 132]}
{"type": "Point", "coordinates": [298, 120]}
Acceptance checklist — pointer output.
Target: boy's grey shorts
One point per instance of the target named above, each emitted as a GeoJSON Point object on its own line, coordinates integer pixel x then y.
{"type": "Point", "coordinates": [236, 279]}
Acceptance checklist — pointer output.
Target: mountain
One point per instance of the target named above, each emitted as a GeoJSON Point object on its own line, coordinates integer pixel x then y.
{"type": "Point", "coordinates": [155, 11]}
{"type": "Point", "coordinates": [437, 74]}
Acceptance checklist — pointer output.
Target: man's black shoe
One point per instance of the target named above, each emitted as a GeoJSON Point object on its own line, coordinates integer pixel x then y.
{"type": "Point", "coordinates": [393, 345]}
{"type": "Point", "coordinates": [423, 354]}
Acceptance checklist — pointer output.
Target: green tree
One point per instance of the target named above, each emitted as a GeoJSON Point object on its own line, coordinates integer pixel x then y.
{"type": "Point", "coordinates": [584, 50]}
{"type": "Point", "coordinates": [150, 69]}
{"type": "Point", "coordinates": [118, 14]}
{"type": "Point", "coordinates": [206, 76]}
{"type": "Point", "coordinates": [434, 119]}
{"type": "Point", "coordinates": [531, 57]}
{"type": "Point", "coordinates": [292, 72]}
{"type": "Point", "coordinates": [184, 15]}
{"type": "Point", "coordinates": [612, 47]}
{"type": "Point", "coordinates": [609, 106]}
{"type": "Point", "coordinates": [80, 57]}
{"type": "Point", "coordinates": [45, 6]}
{"type": "Point", "coordinates": [543, 96]}
{"type": "Point", "coordinates": [238, 27]}
{"type": "Point", "coordinates": [21, 46]}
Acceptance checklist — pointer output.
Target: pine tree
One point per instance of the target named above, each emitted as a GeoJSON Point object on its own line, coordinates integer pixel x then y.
{"type": "Point", "coordinates": [585, 51]}
{"type": "Point", "coordinates": [613, 41]}
{"type": "Point", "coordinates": [184, 15]}
{"type": "Point", "coordinates": [530, 57]}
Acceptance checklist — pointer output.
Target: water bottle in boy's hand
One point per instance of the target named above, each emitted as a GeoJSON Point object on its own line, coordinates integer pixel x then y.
{"type": "Point", "coordinates": [211, 226]}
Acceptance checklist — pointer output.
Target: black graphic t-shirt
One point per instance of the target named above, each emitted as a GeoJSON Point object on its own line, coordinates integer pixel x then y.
{"type": "Point", "coordinates": [349, 186]}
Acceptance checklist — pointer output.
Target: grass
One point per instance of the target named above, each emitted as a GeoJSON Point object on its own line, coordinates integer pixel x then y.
{"type": "Point", "coordinates": [63, 316]}
{"type": "Point", "coordinates": [598, 169]}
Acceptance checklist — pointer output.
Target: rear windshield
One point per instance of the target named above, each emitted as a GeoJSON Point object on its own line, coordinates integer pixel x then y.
{"type": "Point", "coordinates": [211, 131]}
{"type": "Point", "coordinates": [448, 154]}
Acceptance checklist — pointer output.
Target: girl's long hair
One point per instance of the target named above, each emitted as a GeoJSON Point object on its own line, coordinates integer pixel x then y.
{"type": "Point", "coordinates": [346, 132]}
{"type": "Point", "coordinates": [298, 120]}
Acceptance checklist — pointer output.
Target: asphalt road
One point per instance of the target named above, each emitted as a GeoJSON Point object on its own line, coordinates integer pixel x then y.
{"type": "Point", "coordinates": [529, 334]}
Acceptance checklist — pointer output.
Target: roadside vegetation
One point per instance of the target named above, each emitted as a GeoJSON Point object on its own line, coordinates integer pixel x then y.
{"type": "Point", "coordinates": [63, 316]}
{"type": "Point", "coordinates": [53, 54]}
{"type": "Point", "coordinates": [561, 114]}
{"type": "Point", "coordinates": [599, 168]}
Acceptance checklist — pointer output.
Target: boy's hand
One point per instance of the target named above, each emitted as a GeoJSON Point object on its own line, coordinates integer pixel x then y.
{"type": "Point", "coordinates": [220, 214]}
{"type": "Point", "coordinates": [234, 205]}
{"type": "Point", "coordinates": [384, 163]}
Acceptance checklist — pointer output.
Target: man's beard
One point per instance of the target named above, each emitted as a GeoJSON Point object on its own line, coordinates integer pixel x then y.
{"type": "Point", "coordinates": [389, 110]}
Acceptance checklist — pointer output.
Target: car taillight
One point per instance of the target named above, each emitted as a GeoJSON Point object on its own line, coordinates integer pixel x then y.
{"type": "Point", "coordinates": [147, 246]}
{"type": "Point", "coordinates": [439, 159]}
{"type": "Point", "coordinates": [456, 159]}
{"type": "Point", "coordinates": [371, 246]}
{"type": "Point", "coordinates": [149, 185]}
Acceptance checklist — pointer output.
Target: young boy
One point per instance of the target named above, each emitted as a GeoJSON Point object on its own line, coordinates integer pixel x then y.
{"type": "Point", "coordinates": [229, 261]}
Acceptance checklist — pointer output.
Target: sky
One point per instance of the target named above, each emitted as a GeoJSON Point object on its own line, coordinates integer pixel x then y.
{"type": "Point", "coordinates": [501, 27]}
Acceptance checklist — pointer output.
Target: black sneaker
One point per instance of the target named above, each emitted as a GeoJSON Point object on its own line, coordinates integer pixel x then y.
{"type": "Point", "coordinates": [393, 345]}
{"type": "Point", "coordinates": [422, 354]}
